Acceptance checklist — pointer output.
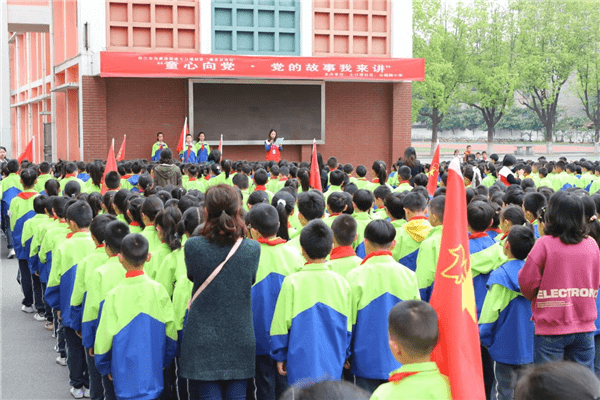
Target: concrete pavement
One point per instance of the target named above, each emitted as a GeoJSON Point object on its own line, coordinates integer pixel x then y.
{"type": "Point", "coordinates": [28, 369]}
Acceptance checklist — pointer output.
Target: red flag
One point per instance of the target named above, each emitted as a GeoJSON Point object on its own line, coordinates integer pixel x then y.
{"type": "Point", "coordinates": [458, 352]}
{"type": "Point", "coordinates": [434, 172]}
{"type": "Point", "coordinates": [315, 173]}
{"type": "Point", "coordinates": [27, 153]}
{"type": "Point", "coordinates": [221, 147]}
{"type": "Point", "coordinates": [184, 132]}
{"type": "Point", "coordinates": [111, 165]}
{"type": "Point", "coordinates": [121, 153]}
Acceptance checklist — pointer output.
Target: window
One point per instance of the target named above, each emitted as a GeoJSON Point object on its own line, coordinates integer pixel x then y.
{"type": "Point", "coordinates": [269, 27]}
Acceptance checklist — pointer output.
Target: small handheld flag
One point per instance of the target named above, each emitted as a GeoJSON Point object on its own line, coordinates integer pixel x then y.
{"type": "Point", "coordinates": [315, 173]}
{"type": "Point", "coordinates": [184, 132]}
{"type": "Point", "coordinates": [111, 165]}
{"type": "Point", "coordinates": [27, 154]}
{"type": "Point", "coordinates": [121, 153]}
{"type": "Point", "coordinates": [221, 146]}
{"type": "Point", "coordinates": [434, 172]}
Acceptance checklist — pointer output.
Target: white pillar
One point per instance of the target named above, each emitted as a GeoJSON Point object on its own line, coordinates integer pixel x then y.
{"type": "Point", "coordinates": [402, 29]}
{"type": "Point", "coordinates": [306, 28]}
{"type": "Point", "coordinates": [205, 27]}
{"type": "Point", "coordinates": [5, 114]}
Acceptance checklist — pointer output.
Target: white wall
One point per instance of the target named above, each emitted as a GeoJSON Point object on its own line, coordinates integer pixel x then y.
{"type": "Point", "coordinates": [402, 31]}
{"type": "Point", "coordinates": [94, 14]}
{"type": "Point", "coordinates": [5, 129]}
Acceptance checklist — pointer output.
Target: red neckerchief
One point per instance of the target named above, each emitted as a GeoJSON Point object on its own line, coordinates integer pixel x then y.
{"type": "Point", "coordinates": [62, 222]}
{"type": "Point", "coordinates": [401, 182]}
{"type": "Point", "coordinates": [134, 223]}
{"type": "Point", "coordinates": [70, 235]}
{"type": "Point", "coordinates": [55, 218]}
{"type": "Point", "coordinates": [283, 179]}
{"type": "Point", "coordinates": [497, 230]}
{"type": "Point", "coordinates": [70, 175]}
{"type": "Point", "coordinates": [477, 235]}
{"type": "Point", "coordinates": [376, 180]}
{"type": "Point", "coordinates": [26, 195]}
{"type": "Point", "coordinates": [334, 214]}
{"type": "Point", "coordinates": [361, 179]}
{"type": "Point", "coordinates": [133, 274]}
{"type": "Point", "coordinates": [274, 177]}
{"type": "Point", "coordinates": [127, 176]}
{"type": "Point", "coordinates": [193, 179]}
{"type": "Point", "coordinates": [141, 192]}
{"type": "Point", "coordinates": [375, 254]}
{"type": "Point", "coordinates": [289, 225]}
{"type": "Point", "coordinates": [418, 217]}
{"type": "Point", "coordinates": [312, 262]}
{"type": "Point", "coordinates": [100, 245]}
{"type": "Point", "coordinates": [202, 147]}
{"type": "Point", "coordinates": [397, 377]}
{"type": "Point", "coordinates": [207, 177]}
{"type": "Point", "coordinates": [504, 236]}
{"type": "Point", "coordinates": [114, 255]}
{"type": "Point", "coordinates": [342, 252]}
{"type": "Point", "coordinates": [271, 242]}
{"type": "Point", "coordinates": [261, 187]}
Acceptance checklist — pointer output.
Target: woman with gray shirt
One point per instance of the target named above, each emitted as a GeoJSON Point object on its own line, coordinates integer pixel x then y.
{"type": "Point", "coordinates": [218, 345]}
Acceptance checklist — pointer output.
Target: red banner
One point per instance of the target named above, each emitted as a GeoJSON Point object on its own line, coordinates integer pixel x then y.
{"type": "Point", "coordinates": [178, 65]}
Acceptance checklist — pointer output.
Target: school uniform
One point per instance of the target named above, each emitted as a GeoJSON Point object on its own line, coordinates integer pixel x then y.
{"type": "Point", "coordinates": [276, 262]}
{"type": "Point", "coordinates": [427, 259]}
{"type": "Point", "coordinates": [312, 327]}
{"type": "Point", "coordinates": [559, 181]}
{"type": "Point", "coordinates": [264, 189]}
{"type": "Point", "coordinates": [489, 180]}
{"type": "Point", "coordinates": [157, 255]}
{"type": "Point", "coordinates": [188, 154]}
{"type": "Point", "coordinates": [361, 183]}
{"type": "Point", "coordinates": [134, 227]}
{"type": "Point", "coordinates": [53, 235]}
{"type": "Point", "coordinates": [170, 267]}
{"type": "Point", "coordinates": [150, 234]}
{"type": "Point", "coordinates": [380, 213]}
{"type": "Point", "coordinates": [83, 176]}
{"type": "Point", "coordinates": [363, 218]}
{"type": "Point", "coordinates": [68, 178]}
{"type": "Point", "coordinates": [547, 182]}
{"type": "Point", "coordinates": [10, 187]}
{"type": "Point", "coordinates": [408, 241]}
{"type": "Point", "coordinates": [20, 211]}
{"type": "Point", "coordinates": [506, 328]}
{"type": "Point", "coordinates": [377, 285]}
{"type": "Point", "coordinates": [136, 362]}
{"type": "Point", "coordinates": [330, 218]}
{"type": "Point", "coordinates": [393, 179]}
{"type": "Point", "coordinates": [343, 259]}
{"type": "Point", "coordinates": [494, 232]}
{"type": "Point", "coordinates": [40, 184]}
{"type": "Point", "coordinates": [403, 186]}
{"type": "Point", "coordinates": [156, 150]}
{"type": "Point", "coordinates": [477, 242]}
{"type": "Point", "coordinates": [421, 381]}
{"type": "Point", "coordinates": [272, 184]}
{"type": "Point", "coordinates": [66, 256]}
{"type": "Point", "coordinates": [330, 190]}
{"type": "Point", "coordinates": [194, 184]}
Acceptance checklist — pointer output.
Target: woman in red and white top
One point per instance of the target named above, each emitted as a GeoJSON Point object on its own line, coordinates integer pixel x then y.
{"type": "Point", "coordinates": [273, 151]}
{"type": "Point", "coordinates": [506, 175]}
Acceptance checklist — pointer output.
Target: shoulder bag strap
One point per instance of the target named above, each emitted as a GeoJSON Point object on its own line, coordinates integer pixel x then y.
{"type": "Point", "coordinates": [215, 272]}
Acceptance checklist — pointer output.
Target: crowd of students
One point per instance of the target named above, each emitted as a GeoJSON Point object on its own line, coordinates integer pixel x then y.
{"type": "Point", "coordinates": [330, 285]}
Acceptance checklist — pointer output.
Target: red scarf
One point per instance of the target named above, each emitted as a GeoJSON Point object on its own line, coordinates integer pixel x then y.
{"type": "Point", "coordinates": [133, 274]}
{"type": "Point", "coordinates": [100, 245]}
{"type": "Point", "coordinates": [418, 217]}
{"type": "Point", "coordinates": [207, 177]}
{"type": "Point", "coordinates": [70, 235]}
{"type": "Point", "coordinates": [261, 187]}
{"type": "Point", "coordinates": [375, 254]}
{"type": "Point", "coordinates": [497, 230]}
{"type": "Point", "coordinates": [134, 223]}
{"type": "Point", "coordinates": [342, 252]}
{"type": "Point", "coordinates": [504, 236]}
{"type": "Point", "coordinates": [401, 182]}
{"type": "Point", "coordinates": [70, 175]}
{"type": "Point", "coordinates": [26, 195]}
{"type": "Point", "coordinates": [193, 179]}
{"type": "Point", "coordinates": [376, 180]}
{"type": "Point", "coordinates": [271, 242]}
{"type": "Point", "coordinates": [397, 377]}
{"type": "Point", "coordinates": [477, 235]}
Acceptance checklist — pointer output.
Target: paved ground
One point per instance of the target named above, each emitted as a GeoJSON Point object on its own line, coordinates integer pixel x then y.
{"type": "Point", "coordinates": [28, 369]}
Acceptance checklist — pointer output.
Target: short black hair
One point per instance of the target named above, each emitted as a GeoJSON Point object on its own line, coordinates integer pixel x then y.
{"type": "Point", "coordinates": [59, 205]}
{"type": "Point", "coordinates": [337, 202]}
{"type": "Point", "coordinates": [363, 199]}
{"type": "Point", "coordinates": [361, 171]}
{"type": "Point", "coordinates": [533, 202]}
{"type": "Point", "coordinates": [39, 204]}
{"type": "Point", "coordinates": [344, 229]}
{"type": "Point", "coordinates": [99, 224]}
{"type": "Point", "coordinates": [114, 235]}
{"type": "Point", "coordinates": [151, 206]}
{"type": "Point", "coordinates": [521, 240]}
{"type": "Point", "coordinates": [479, 215]}
{"type": "Point", "coordinates": [241, 181]}
{"type": "Point", "coordinates": [514, 214]}
{"type": "Point", "coordinates": [565, 218]}
{"type": "Point", "coordinates": [404, 173]}
{"type": "Point", "coordinates": [336, 177]}
{"type": "Point", "coordinates": [28, 176]}
{"type": "Point", "coordinates": [70, 167]}
{"type": "Point", "coordinates": [415, 202]}
{"type": "Point", "coordinates": [395, 205]}
{"type": "Point", "coordinates": [311, 205]}
{"type": "Point", "coordinates": [112, 180]}
{"type": "Point", "coordinates": [72, 188]}
{"type": "Point", "coordinates": [257, 197]}
{"type": "Point", "coordinates": [120, 200]}
{"type": "Point", "coordinates": [316, 239]}
{"type": "Point", "coordinates": [260, 177]}
{"type": "Point", "coordinates": [514, 196]}
{"type": "Point", "coordinates": [12, 165]}
{"type": "Point", "coordinates": [437, 205]}
{"type": "Point", "coordinates": [421, 180]}
{"type": "Point", "coordinates": [414, 324]}
{"type": "Point", "coordinates": [264, 218]}
{"type": "Point", "coordinates": [134, 249]}
{"type": "Point", "coordinates": [380, 232]}
{"type": "Point", "coordinates": [382, 191]}
{"type": "Point", "coordinates": [80, 212]}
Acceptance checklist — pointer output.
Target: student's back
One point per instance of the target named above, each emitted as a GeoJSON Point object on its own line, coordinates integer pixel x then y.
{"type": "Point", "coordinates": [413, 233]}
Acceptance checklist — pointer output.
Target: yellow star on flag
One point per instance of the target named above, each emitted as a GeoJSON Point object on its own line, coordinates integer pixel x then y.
{"type": "Point", "coordinates": [460, 272]}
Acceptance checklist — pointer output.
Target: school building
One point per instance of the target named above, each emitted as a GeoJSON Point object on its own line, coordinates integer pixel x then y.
{"type": "Point", "coordinates": [82, 72]}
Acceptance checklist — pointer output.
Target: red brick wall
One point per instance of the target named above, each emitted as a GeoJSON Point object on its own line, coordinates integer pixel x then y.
{"type": "Point", "coordinates": [364, 121]}
{"type": "Point", "coordinates": [94, 118]}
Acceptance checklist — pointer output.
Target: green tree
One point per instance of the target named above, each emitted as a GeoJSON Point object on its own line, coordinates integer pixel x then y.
{"type": "Point", "coordinates": [439, 37]}
{"type": "Point", "coordinates": [491, 75]}
{"type": "Point", "coordinates": [588, 63]}
{"type": "Point", "coordinates": [545, 59]}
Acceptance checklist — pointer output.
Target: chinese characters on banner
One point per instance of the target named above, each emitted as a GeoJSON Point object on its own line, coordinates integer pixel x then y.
{"type": "Point", "coordinates": [119, 64]}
